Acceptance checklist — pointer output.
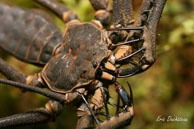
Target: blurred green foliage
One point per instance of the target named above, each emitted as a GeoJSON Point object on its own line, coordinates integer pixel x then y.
{"type": "Point", "coordinates": [167, 89]}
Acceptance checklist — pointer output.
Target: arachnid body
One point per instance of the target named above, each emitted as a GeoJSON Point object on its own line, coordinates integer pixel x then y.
{"type": "Point", "coordinates": [84, 60]}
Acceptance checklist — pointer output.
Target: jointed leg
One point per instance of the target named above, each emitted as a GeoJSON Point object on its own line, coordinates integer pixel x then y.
{"type": "Point", "coordinates": [89, 112]}
{"type": "Point", "coordinates": [38, 115]}
{"type": "Point", "coordinates": [123, 116]}
{"type": "Point", "coordinates": [126, 115]}
{"type": "Point", "coordinates": [102, 13]}
{"type": "Point", "coordinates": [59, 9]}
{"type": "Point", "coordinates": [85, 120]}
{"type": "Point", "coordinates": [11, 73]}
{"type": "Point", "coordinates": [44, 114]}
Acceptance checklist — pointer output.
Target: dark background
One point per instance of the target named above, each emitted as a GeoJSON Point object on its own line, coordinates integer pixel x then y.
{"type": "Point", "coordinates": [166, 89]}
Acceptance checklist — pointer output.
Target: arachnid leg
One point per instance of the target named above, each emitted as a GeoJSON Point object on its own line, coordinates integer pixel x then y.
{"type": "Point", "coordinates": [22, 81]}
{"type": "Point", "coordinates": [102, 13]}
{"type": "Point", "coordinates": [67, 98]}
{"type": "Point", "coordinates": [90, 109]}
{"type": "Point", "coordinates": [10, 73]}
{"type": "Point", "coordinates": [40, 115]}
{"type": "Point", "coordinates": [101, 99]}
{"type": "Point", "coordinates": [125, 117]}
{"type": "Point", "coordinates": [49, 112]}
{"type": "Point", "coordinates": [59, 9]}
{"type": "Point", "coordinates": [89, 112]}
{"type": "Point", "coordinates": [85, 120]}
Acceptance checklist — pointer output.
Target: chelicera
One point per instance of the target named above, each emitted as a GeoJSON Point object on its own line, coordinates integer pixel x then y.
{"type": "Point", "coordinates": [86, 57]}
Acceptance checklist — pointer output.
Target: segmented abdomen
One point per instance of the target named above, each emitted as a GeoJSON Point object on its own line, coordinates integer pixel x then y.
{"type": "Point", "coordinates": [27, 35]}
